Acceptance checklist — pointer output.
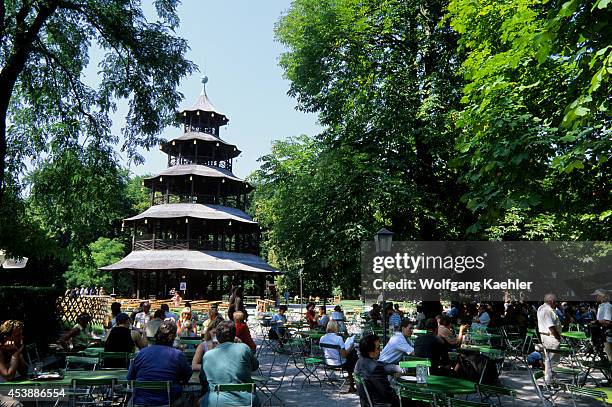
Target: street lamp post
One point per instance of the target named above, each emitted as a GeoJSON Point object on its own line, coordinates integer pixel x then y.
{"type": "Point", "coordinates": [383, 240]}
{"type": "Point", "coordinates": [301, 273]}
{"type": "Point", "coordinates": [324, 264]}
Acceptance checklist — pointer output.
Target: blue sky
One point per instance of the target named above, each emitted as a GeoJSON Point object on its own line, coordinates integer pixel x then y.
{"type": "Point", "coordinates": [232, 41]}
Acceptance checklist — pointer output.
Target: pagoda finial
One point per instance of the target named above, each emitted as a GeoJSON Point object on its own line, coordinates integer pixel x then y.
{"type": "Point", "coordinates": [204, 81]}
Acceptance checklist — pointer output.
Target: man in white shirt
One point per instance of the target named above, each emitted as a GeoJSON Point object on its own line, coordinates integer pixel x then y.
{"type": "Point", "coordinates": [399, 344]}
{"type": "Point", "coordinates": [142, 318]}
{"type": "Point", "coordinates": [604, 317]}
{"type": "Point", "coordinates": [549, 327]}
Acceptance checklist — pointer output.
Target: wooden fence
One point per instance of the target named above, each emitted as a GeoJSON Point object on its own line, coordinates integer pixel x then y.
{"type": "Point", "coordinates": [69, 308]}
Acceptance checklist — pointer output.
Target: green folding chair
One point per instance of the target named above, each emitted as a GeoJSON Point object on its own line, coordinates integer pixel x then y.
{"type": "Point", "coordinates": [92, 392]}
{"type": "Point", "coordinates": [235, 388]}
{"type": "Point", "coordinates": [159, 386]}
{"type": "Point", "coordinates": [486, 392]}
{"type": "Point", "coordinates": [406, 392]}
{"type": "Point", "coordinates": [576, 391]}
{"type": "Point", "coordinates": [543, 390]}
{"type": "Point", "coordinates": [114, 360]}
{"type": "Point", "coordinates": [81, 363]}
{"type": "Point", "coordinates": [360, 383]}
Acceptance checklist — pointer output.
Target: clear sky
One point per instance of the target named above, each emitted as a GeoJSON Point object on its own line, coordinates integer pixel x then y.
{"type": "Point", "coordinates": [232, 41]}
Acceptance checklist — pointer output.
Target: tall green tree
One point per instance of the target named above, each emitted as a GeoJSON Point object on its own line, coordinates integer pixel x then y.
{"type": "Point", "coordinates": [84, 271]}
{"type": "Point", "coordinates": [45, 49]}
{"type": "Point", "coordinates": [383, 77]}
{"type": "Point", "coordinates": [536, 142]}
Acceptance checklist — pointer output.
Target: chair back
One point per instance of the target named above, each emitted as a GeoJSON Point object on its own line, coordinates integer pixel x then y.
{"type": "Point", "coordinates": [587, 392]}
{"type": "Point", "coordinates": [81, 362]}
{"type": "Point", "coordinates": [97, 391]}
{"type": "Point", "coordinates": [115, 360]}
{"type": "Point", "coordinates": [154, 386]}
{"type": "Point", "coordinates": [235, 388]}
{"type": "Point", "coordinates": [416, 394]}
{"type": "Point", "coordinates": [361, 383]}
{"type": "Point", "coordinates": [337, 348]}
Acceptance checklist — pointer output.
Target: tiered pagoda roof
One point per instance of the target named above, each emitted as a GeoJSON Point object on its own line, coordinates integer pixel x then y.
{"type": "Point", "coordinates": [196, 220]}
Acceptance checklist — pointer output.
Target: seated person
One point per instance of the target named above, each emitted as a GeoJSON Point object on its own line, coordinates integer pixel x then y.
{"type": "Point", "coordinates": [277, 332]}
{"type": "Point", "coordinates": [122, 339]}
{"type": "Point", "coordinates": [394, 317]}
{"type": "Point", "coordinates": [481, 322]}
{"type": "Point", "coordinates": [323, 318]}
{"type": "Point", "coordinates": [188, 330]}
{"type": "Point", "coordinates": [228, 363]}
{"type": "Point", "coordinates": [346, 357]}
{"type": "Point", "coordinates": [80, 336]}
{"type": "Point", "coordinates": [160, 362]}
{"type": "Point", "coordinates": [338, 316]}
{"type": "Point", "coordinates": [374, 374]}
{"type": "Point", "coordinates": [168, 315]}
{"type": "Point", "coordinates": [213, 316]}
{"type": "Point", "coordinates": [186, 316]}
{"type": "Point", "coordinates": [109, 320]}
{"type": "Point", "coordinates": [375, 313]}
{"type": "Point", "coordinates": [311, 317]}
{"type": "Point", "coordinates": [12, 363]}
{"type": "Point", "coordinates": [434, 348]}
{"type": "Point", "coordinates": [242, 330]}
{"type": "Point", "coordinates": [445, 331]}
{"type": "Point", "coordinates": [154, 323]}
{"type": "Point", "coordinates": [209, 341]}
{"type": "Point", "coordinates": [399, 344]}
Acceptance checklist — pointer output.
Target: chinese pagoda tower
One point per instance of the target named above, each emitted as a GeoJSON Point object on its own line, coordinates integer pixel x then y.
{"type": "Point", "coordinates": [195, 231]}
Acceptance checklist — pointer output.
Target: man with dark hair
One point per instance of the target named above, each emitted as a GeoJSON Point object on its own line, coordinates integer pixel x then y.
{"type": "Point", "coordinates": [122, 339]}
{"type": "Point", "coordinates": [434, 348]}
{"type": "Point", "coordinates": [399, 344]}
{"type": "Point", "coordinates": [227, 363]}
{"type": "Point", "coordinates": [160, 362]}
{"type": "Point", "coordinates": [151, 328]}
{"type": "Point", "coordinates": [109, 320]}
{"type": "Point", "coordinates": [374, 375]}
{"type": "Point", "coordinates": [168, 315]}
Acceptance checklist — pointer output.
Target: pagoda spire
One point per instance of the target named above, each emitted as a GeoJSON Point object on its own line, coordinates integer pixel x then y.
{"type": "Point", "coordinates": [204, 80]}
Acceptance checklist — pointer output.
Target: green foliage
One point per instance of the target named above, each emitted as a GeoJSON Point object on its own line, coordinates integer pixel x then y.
{"type": "Point", "coordinates": [84, 270]}
{"type": "Point", "coordinates": [536, 142]}
{"type": "Point", "coordinates": [44, 105]}
{"type": "Point", "coordinates": [77, 196]}
{"type": "Point", "coordinates": [138, 197]}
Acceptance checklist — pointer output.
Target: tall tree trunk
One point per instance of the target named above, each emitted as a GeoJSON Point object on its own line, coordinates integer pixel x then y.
{"type": "Point", "coordinates": [16, 62]}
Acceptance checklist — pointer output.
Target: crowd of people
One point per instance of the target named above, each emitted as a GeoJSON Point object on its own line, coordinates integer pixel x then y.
{"type": "Point", "coordinates": [227, 351]}
{"type": "Point", "coordinates": [85, 291]}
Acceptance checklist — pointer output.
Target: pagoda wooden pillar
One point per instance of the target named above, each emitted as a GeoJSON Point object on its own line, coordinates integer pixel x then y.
{"type": "Point", "coordinates": [154, 224]}
{"type": "Point", "coordinates": [167, 190]}
{"type": "Point", "coordinates": [188, 232]}
{"type": "Point", "coordinates": [138, 284]}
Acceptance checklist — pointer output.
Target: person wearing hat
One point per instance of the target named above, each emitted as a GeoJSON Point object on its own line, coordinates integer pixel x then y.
{"type": "Point", "coordinates": [604, 317]}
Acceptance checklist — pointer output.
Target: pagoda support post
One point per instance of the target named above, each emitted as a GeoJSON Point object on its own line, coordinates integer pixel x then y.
{"type": "Point", "coordinates": [138, 284]}
{"type": "Point", "coordinates": [188, 234]}
{"type": "Point", "coordinates": [167, 190]}
{"type": "Point", "coordinates": [153, 193]}
{"type": "Point", "coordinates": [154, 224]}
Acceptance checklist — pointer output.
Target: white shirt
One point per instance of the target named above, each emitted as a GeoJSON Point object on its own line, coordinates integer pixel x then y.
{"type": "Point", "coordinates": [397, 346]}
{"type": "Point", "coordinates": [141, 319]}
{"type": "Point", "coordinates": [604, 313]}
{"type": "Point", "coordinates": [547, 317]}
{"type": "Point", "coordinates": [332, 356]}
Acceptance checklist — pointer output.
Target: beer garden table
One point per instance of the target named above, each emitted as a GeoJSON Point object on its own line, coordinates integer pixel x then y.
{"type": "Point", "coordinates": [442, 384]}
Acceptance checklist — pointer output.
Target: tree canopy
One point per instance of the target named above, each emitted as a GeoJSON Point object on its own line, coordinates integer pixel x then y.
{"type": "Point", "coordinates": [443, 120]}
{"type": "Point", "coordinates": [45, 107]}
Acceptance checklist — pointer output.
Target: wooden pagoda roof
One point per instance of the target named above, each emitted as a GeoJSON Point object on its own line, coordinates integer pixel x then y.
{"type": "Point", "coordinates": [188, 210]}
{"type": "Point", "coordinates": [198, 135]}
{"type": "Point", "coordinates": [218, 261]}
{"type": "Point", "coordinates": [199, 170]}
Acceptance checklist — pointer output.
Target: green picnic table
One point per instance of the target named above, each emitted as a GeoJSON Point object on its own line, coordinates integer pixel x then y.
{"type": "Point", "coordinates": [419, 331]}
{"type": "Point", "coordinates": [442, 384]}
{"type": "Point", "coordinates": [484, 336]}
{"type": "Point", "coordinates": [578, 335]}
{"type": "Point", "coordinates": [190, 341]}
{"type": "Point", "coordinates": [119, 374]}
